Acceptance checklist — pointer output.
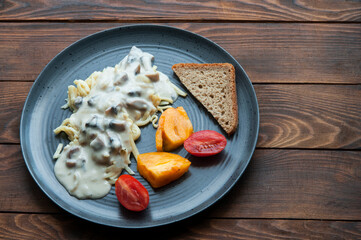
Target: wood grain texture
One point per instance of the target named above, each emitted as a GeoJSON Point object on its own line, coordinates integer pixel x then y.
{"type": "Point", "coordinates": [304, 58]}
{"type": "Point", "coordinates": [269, 52]}
{"type": "Point", "coordinates": [309, 116]}
{"type": "Point", "coordinates": [19, 191]}
{"type": "Point", "coordinates": [277, 184]}
{"type": "Point", "coordinates": [236, 10]}
{"type": "Point", "coordinates": [44, 226]}
{"type": "Point", "coordinates": [292, 116]}
{"type": "Point", "coordinates": [297, 184]}
{"type": "Point", "coordinates": [12, 99]}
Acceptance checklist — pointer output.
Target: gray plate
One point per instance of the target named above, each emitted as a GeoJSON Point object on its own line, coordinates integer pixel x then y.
{"type": "Point", "coordinates": [207, 179]}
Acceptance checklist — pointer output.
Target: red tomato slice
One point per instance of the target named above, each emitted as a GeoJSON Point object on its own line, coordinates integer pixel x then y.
{"type": "Point", "coordinates": [205, 143]}
{"type": "Point", "coordinates": [131, 193]}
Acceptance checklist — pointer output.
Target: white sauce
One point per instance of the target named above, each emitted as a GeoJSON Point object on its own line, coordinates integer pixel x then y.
{"type": "Point", "coordinates": [123, 94]}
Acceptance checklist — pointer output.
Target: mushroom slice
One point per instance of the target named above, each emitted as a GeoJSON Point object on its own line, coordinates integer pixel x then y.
{"type": "Point", "coordinates": [137, 68]}
{"type": "Point", "coordinates": [97, 144]}
{"type": "Point", "coordinates": [138, 104]}
{"type": "Point", "coordinates": [73, 152]}
{"type": "Point", "coordinates": [146, 61]}
{"type": "Point", "coordinates": [114, 141]}
{"type": "Point", "coordinates": [111, 110]}
{"type": "Point", "coordinates": [70, 163]}
{"type": "Point", "coordinates": [154, 77]}
{"type": "Point", "coordinates": [134, 93]}
{"type": "Point", "coordinates": [91, 101]}
{"type": "Point", "coordinates": [120, 78]}
{"type": "Point", "coordinates": [118, 126]}
{"type": "Point", "coordinates": [92, 123]}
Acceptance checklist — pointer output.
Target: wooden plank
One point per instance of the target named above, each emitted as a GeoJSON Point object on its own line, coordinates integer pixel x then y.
{"type": "Point", "coordinates": [270, 53]}
{"type": "Point", "coordinates": [292, 116]}
{"type": "Point", "coordinates": [12, 98]}
{"type": "Point", "coordinates": [309, 116]}
{"type": "Point", "coordinates": [44, 226]}
{"type": "Point", "coordinates": [303, 184]}
{"type": "Point", "coordinates": [235, 10]}
{"type": "Point", "coordinates": [19, 191]}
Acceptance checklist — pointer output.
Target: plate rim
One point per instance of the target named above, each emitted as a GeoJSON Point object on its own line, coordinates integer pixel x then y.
{"type": "Point", "coordinates": [104, 32]}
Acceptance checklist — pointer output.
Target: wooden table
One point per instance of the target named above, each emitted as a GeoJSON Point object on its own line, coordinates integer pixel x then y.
{"type": "Point", "coordinates": [304, 60]}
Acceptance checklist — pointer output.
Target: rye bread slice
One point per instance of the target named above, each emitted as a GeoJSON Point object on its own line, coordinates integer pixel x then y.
{"type": "Point", "coordinates": [214, 86]}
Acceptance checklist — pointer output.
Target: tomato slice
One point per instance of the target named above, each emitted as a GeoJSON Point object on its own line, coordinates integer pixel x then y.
{"type": "Point", "coordinates": [131, 193]}
{"type": "Point", "coordinates": [205, 143]}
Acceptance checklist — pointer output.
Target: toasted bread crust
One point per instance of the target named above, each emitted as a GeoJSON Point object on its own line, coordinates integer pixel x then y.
{"type": "Point", "coordinates": [212, 78]}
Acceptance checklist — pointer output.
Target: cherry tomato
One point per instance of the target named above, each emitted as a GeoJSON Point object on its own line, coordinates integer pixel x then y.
{"type": "Point", "coordinates": [205, 143]}
{"type": "Point", "coordinates": [131, 193]}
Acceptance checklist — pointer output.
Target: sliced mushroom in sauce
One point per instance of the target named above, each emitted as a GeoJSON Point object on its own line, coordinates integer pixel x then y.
{"type": "Point", "coordinates": [102, 157]}
{"type": "Point", "coordinates": [92, 135]}
{"type": "Point", "coordinates": [138, 104]}
{"type": "Point", "coordinates": [117, 125]}
{"type": "Point", "coordinates": [111, 110]}
{"type": "Point", "coordinates": [70, 163]}
{"type": "Point", "coordinates": [146, 61]}
{"type": "Point", "coordinates": [93, 123]}
{"type": "Point", "coordinates": [73, 152]}
{"type": "Point", "coordinates": [114, 141]}
{"type": "Point", "coordinates": [136, 68]}
{"type": "Point", "coordinates": [154, 77]}
{"type": "Point", "coordinates": [120, 78]}
{"type": "Point", "coordinates": [97, 144]}
{"type": "Point", "coordinates": [134, 93]}
{"type": "Point", "coordinates": [91, 102]}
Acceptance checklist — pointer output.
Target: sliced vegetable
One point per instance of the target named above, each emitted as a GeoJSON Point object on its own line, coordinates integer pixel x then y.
{"type": "Point", "coordinates": [159, 133]}
{"type": "Point", "coordinates": [205, 143]}
{"type": "Point", "coordinates": [131, 193]}
{"type": "Point", "coordinates": [161, 168]}
{"type": "Point", "coordinates": [174, 128]}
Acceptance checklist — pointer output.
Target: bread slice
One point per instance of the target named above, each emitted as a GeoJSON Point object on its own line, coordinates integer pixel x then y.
{"type": "Point", "coordinates": [214, 86]}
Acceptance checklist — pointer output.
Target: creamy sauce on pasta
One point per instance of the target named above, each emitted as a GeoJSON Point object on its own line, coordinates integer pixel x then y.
{"type": "Point", "coordinates": [107, 109]}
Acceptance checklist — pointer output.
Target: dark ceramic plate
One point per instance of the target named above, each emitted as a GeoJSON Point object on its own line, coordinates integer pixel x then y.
{"type": "Point", "coordinates": [207, 179]}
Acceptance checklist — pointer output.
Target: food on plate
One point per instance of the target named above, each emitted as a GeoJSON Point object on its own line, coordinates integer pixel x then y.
{"type": "Point", "coordinates": [108, 108]}
{"type": "Point", "coordinates": [131, 193]}
{"type": "Point", "coordinates": [214, 86]}
{"type": "Point", "coordinates": [161, 168]}
{"type": "Point", "coordinates": [205, 143]}
{"type": "Point", "coordinates": [174, 127]}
